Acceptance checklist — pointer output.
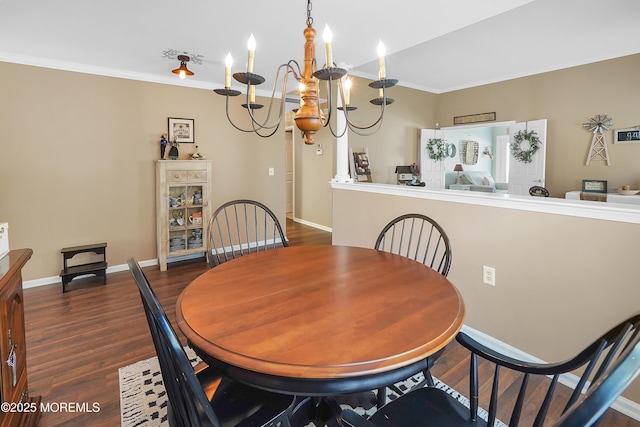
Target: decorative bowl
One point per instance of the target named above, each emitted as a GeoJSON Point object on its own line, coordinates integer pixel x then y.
{"type": "Point", "coordinates": [627, 192]}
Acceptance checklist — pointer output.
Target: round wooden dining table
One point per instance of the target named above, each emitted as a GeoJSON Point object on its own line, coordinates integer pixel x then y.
{"type": "Point", "coordinates": [320, 320]}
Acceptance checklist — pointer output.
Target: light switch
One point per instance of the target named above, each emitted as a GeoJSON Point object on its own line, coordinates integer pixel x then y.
{"type": "Point", "coordinates": [272, 172]}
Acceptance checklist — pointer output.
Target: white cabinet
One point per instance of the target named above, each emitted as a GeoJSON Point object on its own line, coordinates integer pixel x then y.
{"type": "Point", "coordinates": [183, 191]}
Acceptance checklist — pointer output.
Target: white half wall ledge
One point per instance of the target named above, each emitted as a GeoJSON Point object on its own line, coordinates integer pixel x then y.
{"type": "Point", "coordinates": [550, 205]}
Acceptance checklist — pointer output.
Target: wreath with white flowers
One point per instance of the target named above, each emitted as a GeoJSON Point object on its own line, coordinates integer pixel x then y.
{"type": "Point", "coordinates": [437, 149]}
{"type": "Point", "coordinates": [525, 156]}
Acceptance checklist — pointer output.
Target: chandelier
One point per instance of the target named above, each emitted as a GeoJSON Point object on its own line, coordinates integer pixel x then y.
{"type": "Point", "coordinates": [309, 118]}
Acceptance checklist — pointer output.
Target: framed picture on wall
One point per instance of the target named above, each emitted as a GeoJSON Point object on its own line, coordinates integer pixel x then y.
{"type": "Point", "coordinates": [182, 129]}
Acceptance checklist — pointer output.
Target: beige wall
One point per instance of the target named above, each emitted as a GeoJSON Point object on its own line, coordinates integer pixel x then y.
{"type": "Point", "coordinates": [567, 98]}
{"type": "Point", "coordinates": [78, 150]}
{"type": "Point", "coordinates": [77, 160]}
{"type": "Point", "coordinates": [561, 281]}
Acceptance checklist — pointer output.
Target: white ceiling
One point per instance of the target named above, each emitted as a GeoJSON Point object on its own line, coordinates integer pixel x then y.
{"type": "Point", "coordinates": [433, 45]}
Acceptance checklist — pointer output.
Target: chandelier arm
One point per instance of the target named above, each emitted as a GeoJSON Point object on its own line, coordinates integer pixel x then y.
{"type": "Point", "coordinates": [297, 75]}
{"type": "Point", "coordinates": [257, 125]}
{"type": "Point", "coordinates": [282, 99]}
{"type": "Point", "coordinates": [357, 130]}
{"type": "Point", "coordinates": [257, 130]}
{"type": "Point", "coordinates": [378, 122]}
{"type": "Point", "coordinates": [231, 121]}
{"type": "Point", "coordinates": [330, 105]}
{"type": "Point", "coordinates": [336, 133]}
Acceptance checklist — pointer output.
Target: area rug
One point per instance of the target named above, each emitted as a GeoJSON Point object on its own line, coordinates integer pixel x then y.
{"type": "Point", "coordinates": [143, 399]}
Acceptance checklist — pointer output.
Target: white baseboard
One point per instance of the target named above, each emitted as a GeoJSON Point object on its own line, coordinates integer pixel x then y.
{"type": "Point", "coordinates": [621, 404]}
{"type": "Point", "coordinates": [312, 224]}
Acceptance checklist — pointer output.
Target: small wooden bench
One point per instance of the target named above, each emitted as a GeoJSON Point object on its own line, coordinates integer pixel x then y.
{"type": "Point", "coordinates": [97, 268]}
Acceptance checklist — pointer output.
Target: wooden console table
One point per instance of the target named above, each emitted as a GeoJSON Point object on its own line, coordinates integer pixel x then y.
{"type": "Point", "coordinates": [23, 410]}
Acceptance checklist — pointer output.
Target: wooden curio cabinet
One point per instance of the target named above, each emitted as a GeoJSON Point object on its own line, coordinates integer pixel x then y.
{"type": "Point", "coordinates": [183, 191]}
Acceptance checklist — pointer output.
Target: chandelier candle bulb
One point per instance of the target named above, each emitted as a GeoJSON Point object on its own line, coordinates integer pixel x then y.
{"type": "Point", "coordinates": [228, 62]}
{"type": "Point", "coordinates": [381, 53]}
{"type": "Point", "coordinates": [327, 36]}
{"type": "Point", "coordinates": [252, 94]}
{"type": "Point", "coordinates": [251, 45]}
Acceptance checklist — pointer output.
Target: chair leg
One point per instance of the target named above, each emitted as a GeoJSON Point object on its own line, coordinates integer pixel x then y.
{"type": "Point", "coordinates": [382, 397]}
{"type": "Point", "coordinates": [428, 378]}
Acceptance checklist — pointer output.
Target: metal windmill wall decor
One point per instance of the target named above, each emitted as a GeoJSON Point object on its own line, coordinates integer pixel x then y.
{"type": "Point", "coordinates": [599, 125]}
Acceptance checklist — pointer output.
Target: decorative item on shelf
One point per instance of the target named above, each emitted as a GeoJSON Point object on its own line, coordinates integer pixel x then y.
{"type": "Point", "coordinates": [197, 197]}
{"type": "Point", "coordinates": [195, 218]}
{"type": "Point", "coordinates": [594, 186]}
{"type": "Point", "coordinates": [173, 151]}
{"type": "Point", "coordinates": [309, 118]}
{"type": "Point", "coordinates": [163, 145]}
{"type": "Point", "coordinates": [458, 168]}
{"type": "Point", "coordinates": [626, 190]}
{"type": "Point", "coordinates": [598, 124]}
{"type": "Point", "coordinates": [196, 155]}
{"type": "Point", "coordinates": [531, 139]}
{"type": "Point", "coordinates": [437, 149]}
{"type": "Point", "coordinates": [487, 152]}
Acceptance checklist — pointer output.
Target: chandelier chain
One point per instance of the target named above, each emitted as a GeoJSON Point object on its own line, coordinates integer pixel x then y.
{"type": "Point", "coordinates": [309, 18]}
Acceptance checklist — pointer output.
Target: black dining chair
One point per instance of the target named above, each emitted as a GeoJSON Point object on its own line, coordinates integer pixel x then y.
{"type": "Point", "coordinates": [609, 365]}
{"type": "Point", "coordinates": [422, 239]}
{"type": "Point", "coordinates": [240, 227]}
{"type": "Point", "coordinates": [418, 237]}
{"type": "Point", "coordinates": [207, 398]}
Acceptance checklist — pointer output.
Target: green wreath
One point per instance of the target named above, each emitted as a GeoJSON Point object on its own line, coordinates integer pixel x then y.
{"type": "Point", "coordinates": [525, 156]}
{"type": "Point", "coordinates": [437, 149]}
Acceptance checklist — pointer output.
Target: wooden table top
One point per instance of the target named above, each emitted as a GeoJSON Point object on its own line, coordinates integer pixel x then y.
{"type": "Point", "coordinates": [320, 312]}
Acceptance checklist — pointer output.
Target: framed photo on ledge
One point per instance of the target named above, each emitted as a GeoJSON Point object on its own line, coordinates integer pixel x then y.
{"type": "Point", "coordinates": [182, 129]}
{"type": "Point", "coordinates": [594, 186]}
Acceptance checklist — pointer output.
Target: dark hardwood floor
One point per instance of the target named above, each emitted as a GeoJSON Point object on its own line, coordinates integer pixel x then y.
{"type": "Point", "coordinates": [77, 341]}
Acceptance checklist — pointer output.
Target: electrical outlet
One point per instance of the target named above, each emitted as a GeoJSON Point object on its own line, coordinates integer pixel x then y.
{"type": "Point", "coordinates": [488, 275]}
